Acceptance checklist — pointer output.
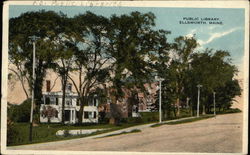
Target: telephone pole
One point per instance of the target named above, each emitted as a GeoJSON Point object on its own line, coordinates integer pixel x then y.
{"type": "Point", "coordinates": [33, 38]}
{"type": "Point", "coordinates": [198, 104]}
{"type": "Point", "coordinates": [214, 105]}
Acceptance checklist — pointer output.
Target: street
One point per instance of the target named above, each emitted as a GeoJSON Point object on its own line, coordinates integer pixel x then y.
{"type": "Point", "coordinates": [213, 135]}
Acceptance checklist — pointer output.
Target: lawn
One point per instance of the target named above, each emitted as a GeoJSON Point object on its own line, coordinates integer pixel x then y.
{"type": "Point", "coordinates": [45, 133]}
{"type": "Point", "coordinates": [183, 121]}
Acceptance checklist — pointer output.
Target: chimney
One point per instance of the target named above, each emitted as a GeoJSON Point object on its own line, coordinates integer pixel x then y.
{"type": "Point", "coordinates": [48, 85]}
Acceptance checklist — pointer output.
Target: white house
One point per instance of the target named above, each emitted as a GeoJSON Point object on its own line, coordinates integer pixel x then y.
{"type": "Point", "coordinates": [71, 109]}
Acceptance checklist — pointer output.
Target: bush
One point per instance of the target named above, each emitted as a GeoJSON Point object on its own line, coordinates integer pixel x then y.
{"type": "Point", "coordinates": [138, 120]}
{"type": "Point", "coordinates": [20, 113]}
{"type": "Point", "coordinates": [124, 120]}
{"type": "Point", "coordinates": [231, 110]}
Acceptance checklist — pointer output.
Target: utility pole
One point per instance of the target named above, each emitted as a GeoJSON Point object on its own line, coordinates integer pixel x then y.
{"type": "Point", "coordinates": [160, 104]}
{"type": "Point", "coordinates": [198, 104]}
{"type": "Point", "coordinates": [33, 38]}
{"type": "Point", "coordinates": [160, 80]}
{"type": "Point", "coordinates": [214, 105]}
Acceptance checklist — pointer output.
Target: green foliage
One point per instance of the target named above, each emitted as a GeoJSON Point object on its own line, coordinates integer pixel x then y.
{"type": "Point", "coordinates": [215, 72]}
{"type": "Point", "coordinates": [42, 24]}
{"type": "Point", "coordinates": [125, 51]}
{"type": "Point", "coordinates": [133, 45]}
{"type": "Point", "coordinates": [226, 94]}
{"type": "Point", "coordinates": [42, 133]}
{"type": "Point", "coordinates": [19, 113]}
{"type": "Point", "coordinates": [228, 111]}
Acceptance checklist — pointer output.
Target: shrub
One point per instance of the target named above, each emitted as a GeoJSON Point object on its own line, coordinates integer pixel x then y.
{"type": "Point", "coordinates": [20, 113]}
{"type": "Point", "coordinates": [138, 120]}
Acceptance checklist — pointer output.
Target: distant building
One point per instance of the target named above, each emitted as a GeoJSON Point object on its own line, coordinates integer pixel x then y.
{"type": "Point", "coordinates": [54, 100]}
{"type": "Point", "coordinates": [132, 102]}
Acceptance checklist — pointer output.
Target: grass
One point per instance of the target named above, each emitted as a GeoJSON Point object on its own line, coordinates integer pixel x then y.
{"type": "Point", "coordinates": [183, 121]}
{"type": "Point", "coordinates": [47, 132]}
{"type": "Point", "coordinates": [150, 116]}
{"type": "Point", "coordinates": [19, 134]}
{"type": "Point", "coordinates": [124, 132]}
{"type": "Point", "coordinates": [190, 120]}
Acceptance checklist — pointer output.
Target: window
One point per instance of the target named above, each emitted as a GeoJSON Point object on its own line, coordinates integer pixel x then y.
{"type": "Point", "coordinates": [48, 85]}
{"type": "Point", "coordinates": [69, 87]}
{"type": "Point", "coordinates": [90, 115]}
{"type": "Point", "coordinates": [52, 100]}
{"type": "Point", "coordinates": [56, 101]}
{"type": "Point", "coordinates": [94, 114]}
{"type": "Point", "coordinates": [95, 101]}
{"type": "Point", "coordinates": [86, 114]}
{"type": "Point", "coordinates": [68, 101]}
{"type": "Point", "coordinates": [77, 102]}
{"type": "Point", "coordinates": [47, 100]}
{"type": "Point", "coordinates": [91, 102]}
{"type": "Point", "coordinates": [67, 115]}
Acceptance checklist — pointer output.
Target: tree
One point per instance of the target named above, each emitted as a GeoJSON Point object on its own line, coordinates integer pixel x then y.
{"type": "Point", "coordinates": [134, 45]}
{"type": "Point", "coordinates": [226, 94]}
{"type": "Point", "coordinates": [182, 49]}
{"type": "Point", "coordinates": [65, 52]}
{"type": "Point", "coordinates": [90, 56]}
{"type": "Point", "coordinates": [43, 24]}
{"type": "Point", "coordinates": [213, 70]}
{"type": "Point", "coordinates": [49, 112]}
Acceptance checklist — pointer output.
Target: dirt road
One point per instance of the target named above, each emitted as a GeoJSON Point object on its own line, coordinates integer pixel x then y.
{"type": "Point", "coordinates": [220, 134]}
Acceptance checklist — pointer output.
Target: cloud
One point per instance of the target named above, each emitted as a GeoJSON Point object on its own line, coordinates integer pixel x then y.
{"type": "Point", "coordinates": [191, 33]}
{"type": "Point", "coordinates": [216, 35]}
{"type": "Point", "coordinates": [213, 27]}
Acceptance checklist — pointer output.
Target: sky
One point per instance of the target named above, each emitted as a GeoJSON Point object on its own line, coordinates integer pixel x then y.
{"type": "Point", "coordinates": [226, 36]}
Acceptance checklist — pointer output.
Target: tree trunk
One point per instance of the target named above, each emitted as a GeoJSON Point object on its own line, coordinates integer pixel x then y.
{"type": "Point", "coordinates": [174, 112]}
{"type": "Point", "coordinates": [40, 74]}
{"type": "Point", "coordinates": [165, 114]}
{"type": "Point", "coordinates": [203, 110]}
{"type": "Point", "coordinates": [83, 102]}
{"type": "Point", "coordinates": [48, 122]}
{"type": "Point", "coordinates": [191, 109]}
{"type": "Point", "coordinates": [187, 102]}
{"type": "Point", "coordinates": [80, 116]}
{"type": "Point", "coordinates": [64, 82]}
{"type": "Point", "coordinates": [178, 106]}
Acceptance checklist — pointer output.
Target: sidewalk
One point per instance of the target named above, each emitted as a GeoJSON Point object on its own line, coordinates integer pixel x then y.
{"type": "Point", "coordinates": [139, 127]}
